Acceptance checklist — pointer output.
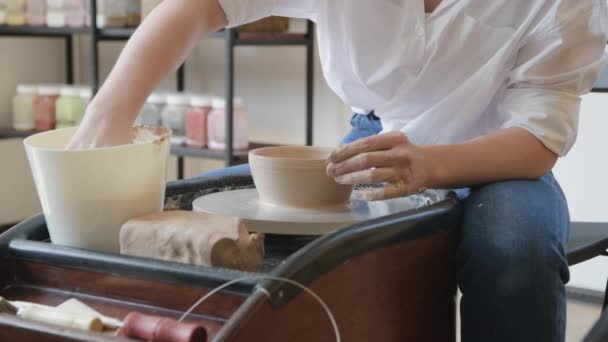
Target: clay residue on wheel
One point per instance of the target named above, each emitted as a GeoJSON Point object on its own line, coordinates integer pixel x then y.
{"type": "Point", "coordinates": [142, 134]}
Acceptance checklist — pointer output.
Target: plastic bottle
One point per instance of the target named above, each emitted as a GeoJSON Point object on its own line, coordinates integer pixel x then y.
{"type": "Point", "coordinates": [2, 12]}
{"type": "Point", "coordinates": [56, 13]}
{"type": "Point", "coordinates": [36, 12]}
{"type": "Point", "coordinates": [15, 13]}
{"type": "Point", "coordinates": [151, 112]}
{"type": "Point", "coordinates": [111, 13]}
{"type": "Point", "coordinates": [196, 121]}
{"type": "Point", "coordinates": [44, 107]}
{"type": "Point", "coordinates": [68, 108]}
{"type": "Point", "coordinates": [23, 107]}
{"type": "Point", "coordinates": [174, 114]}
{"type": "Point", "coordinates": [76, 12]}
{"type": "Point", "coordinates": [216, 125]}
{"type": "Point", "coordinates": [133, 12]}
{"type": "Point", "coordinates": [84, 98]}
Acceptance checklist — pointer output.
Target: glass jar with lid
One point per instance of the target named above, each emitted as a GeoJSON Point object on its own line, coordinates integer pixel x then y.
{"type": "Point", "coordinates": [216, 125]}
{"type": "Point", "coordinates": [56, 13]}
{"type": "Point", "coordinates": [2, 12]}
{"type": "Point", "coordinates": [23, 107]}
{"type": "Point", "coordinates": [111, 13]}
{"type": "Point", "coordinates": [44, 107]}
{"type": "Point", "coordinates": [68, 107]}
{"type": "Point", "coordinates": [151, 112]}
{"type": "Point", "coordinates": [16, 12]}
{"type": "Point", "coordinates": [76, 12]}
{"type": "Point", "coordinates": [36, 12]}
{"type": "Point", "coordinates": [174, 114]}
{"type": "Point", "coordinates": [196, 120]}
{"type": "Point", "coordinates": [133, 12]}
{"type": "Point", "coordinates": [85, 95]}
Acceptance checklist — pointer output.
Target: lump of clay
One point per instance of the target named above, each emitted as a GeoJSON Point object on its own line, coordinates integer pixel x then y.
{"type": "Point", "coordinates": [193, 238]}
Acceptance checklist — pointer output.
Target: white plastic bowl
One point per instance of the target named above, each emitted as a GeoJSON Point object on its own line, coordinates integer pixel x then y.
{"type": "Point", "coordinates": [87, 195]}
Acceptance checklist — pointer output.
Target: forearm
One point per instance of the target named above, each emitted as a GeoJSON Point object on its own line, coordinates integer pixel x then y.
{"type": "Point", "coordinates": [156, 49]}
{"type": "Point", "coordinates": [511, 153]}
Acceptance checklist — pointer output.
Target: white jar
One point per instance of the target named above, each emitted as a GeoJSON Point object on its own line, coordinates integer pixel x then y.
{"type": "Point", "coordinates": [216, 125]}
{"type": "Point", "coordinates": [174, 114]}
{"type": "Point", "coordinates": [151, 112]}
{"type": "Point", "coordinates": [2, 12]}
{"type": "Point", "coordinates": [133, 12]}
{"type": "Point", "coordinates": [16, 12]}
{"type": "Point", "coordinates": [23, 107]}
{"type": "Point", "coordinates": [56, 13]}
{"type": "Point", "coordinates": [111, 13]}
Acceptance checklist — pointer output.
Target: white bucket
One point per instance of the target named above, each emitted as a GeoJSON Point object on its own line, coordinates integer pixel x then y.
{"type": "Point", "coordinates": [87, 195]}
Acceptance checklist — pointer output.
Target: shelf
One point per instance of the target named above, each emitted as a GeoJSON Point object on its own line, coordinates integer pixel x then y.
{"type": "Point", "coordinates": [9, 133]}
{"type": "Point", "coordinates": [124, 33]}
{"type": "Point", "coordinates": [176, 150]}
{"type": "Point", "coordinates": [41, 31]}
{"type": "Point", "coordinates": [196, 152]}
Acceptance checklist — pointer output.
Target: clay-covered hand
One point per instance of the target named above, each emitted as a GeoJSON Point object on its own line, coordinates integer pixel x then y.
{"type": "Point", "coordinates": [388, 158]}
{"type": "Point", "coordinates": [96, 131]}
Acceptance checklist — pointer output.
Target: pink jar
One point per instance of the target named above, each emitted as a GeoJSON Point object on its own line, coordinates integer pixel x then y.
{"type": "Point", "coordinates": [76, 12]}
{"type": "Point", "coordinates": [44, 107]}
{"type": "Point", "coordinates": [216, 126]}
{"type": "Point", "coordinates": [196, 121]}
{"type": "Point", "coordinates": [36, 12]}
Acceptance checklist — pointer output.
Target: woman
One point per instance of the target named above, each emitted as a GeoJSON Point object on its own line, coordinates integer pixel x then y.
{"type": "Point", "coordinates": [477, 95]}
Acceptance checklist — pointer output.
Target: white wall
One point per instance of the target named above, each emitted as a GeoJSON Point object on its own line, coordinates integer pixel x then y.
{"type": "Point", "coordinates": [583, 175]}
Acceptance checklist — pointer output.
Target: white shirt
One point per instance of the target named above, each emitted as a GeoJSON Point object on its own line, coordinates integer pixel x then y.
{"type": "Point", "coordinates": [469, 68]}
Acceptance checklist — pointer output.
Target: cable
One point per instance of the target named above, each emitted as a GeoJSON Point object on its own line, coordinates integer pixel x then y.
{"type": "Point", "coordinates": [259, 277]}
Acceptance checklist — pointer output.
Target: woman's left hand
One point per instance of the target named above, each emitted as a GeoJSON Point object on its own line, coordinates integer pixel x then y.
{"type": "Point", "coordinates": [386, 158]}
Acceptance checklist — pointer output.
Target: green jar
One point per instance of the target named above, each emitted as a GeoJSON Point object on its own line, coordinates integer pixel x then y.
{"type": "Point", "coordinates": [69, 107]}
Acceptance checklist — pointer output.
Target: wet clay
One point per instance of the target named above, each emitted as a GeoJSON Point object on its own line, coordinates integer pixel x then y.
{"type": "Point", "coordinates": [143, 134]}
{"type": "Point", "coordinates": [193, 238]}
{"type": "Point", "coordinates": [295, 176]}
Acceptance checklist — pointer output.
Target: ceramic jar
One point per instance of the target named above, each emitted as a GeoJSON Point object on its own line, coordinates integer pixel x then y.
{"type": "Point", "coordinates": [151, 112]}
{"type": "Point", "coordinates": [216, 125]}
{"type": "Point", "coordinates": [44, 107]}
{"type": "Point", "coordinates": [196, 121]}
{"type": "Point", "coordinates": [23, 108]}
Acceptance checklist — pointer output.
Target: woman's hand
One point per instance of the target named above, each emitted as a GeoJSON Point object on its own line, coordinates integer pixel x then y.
{"type": "Point", "coordinates": [96, 130]}
{"type": "Point", "coordinates": [386, 158]}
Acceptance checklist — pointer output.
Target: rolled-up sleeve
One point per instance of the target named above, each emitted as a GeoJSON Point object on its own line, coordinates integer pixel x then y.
{"type": "Point", "coordinates": [554, 68]}
{"type": "Point", "coordinates": [240, 12]}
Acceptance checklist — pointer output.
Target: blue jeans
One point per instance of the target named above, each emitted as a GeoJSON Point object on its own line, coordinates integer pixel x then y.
{"type": "Point", "coordinates": [511, 261]}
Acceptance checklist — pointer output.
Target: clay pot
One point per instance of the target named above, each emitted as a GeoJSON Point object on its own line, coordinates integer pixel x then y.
{"type": "Point", "coordinates": [295, 176]}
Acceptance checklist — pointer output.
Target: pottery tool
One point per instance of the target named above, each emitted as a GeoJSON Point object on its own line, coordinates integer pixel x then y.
{"type": "Point", "coordinates": [77, 315]}
{"type": "Point", "coordinates": [50, 315]}
{"type": "Point", "coordinates": [193, 238]}
{"type": "Point", "coordinates": [285, 220]}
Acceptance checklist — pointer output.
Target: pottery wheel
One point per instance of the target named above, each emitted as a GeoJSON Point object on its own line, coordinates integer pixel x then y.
{"type": "Point", "coordinates": [271, 219]}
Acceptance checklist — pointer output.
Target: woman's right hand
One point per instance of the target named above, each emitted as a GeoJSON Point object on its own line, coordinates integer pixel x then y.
{"type": "Point", "coordinates": [98, 130]}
